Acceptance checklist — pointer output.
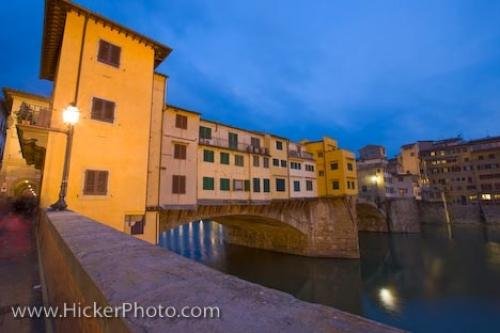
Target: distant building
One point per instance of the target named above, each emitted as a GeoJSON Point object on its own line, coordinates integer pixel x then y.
{"type": "Point", "coordinates": [370, 152]}
{"type": "Point", "coordinates": [467, 172]}
{"type": "Point", "coordinates": [335, 168]}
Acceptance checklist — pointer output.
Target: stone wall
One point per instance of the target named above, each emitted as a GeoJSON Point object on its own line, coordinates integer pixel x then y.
{"type": "Point", "coordinates": [395, 215]}
{"type": "Point", "coordinates": [324, 227]}
{"type": "Point", "coordinates": [403, 215]}
{"type": "Point", "coordinates": [370, 218]}
{"type": "Point", "coordinates": [84, 262]}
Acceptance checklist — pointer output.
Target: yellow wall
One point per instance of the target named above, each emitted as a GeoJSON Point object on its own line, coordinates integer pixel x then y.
{"type": "Point", "coordinates": [120, 147]}
{"type": "Point", "coordinates": [325, 152]}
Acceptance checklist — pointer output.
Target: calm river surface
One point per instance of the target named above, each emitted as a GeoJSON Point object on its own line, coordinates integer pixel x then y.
{"type": "Point", "coordinates": [429, 282]}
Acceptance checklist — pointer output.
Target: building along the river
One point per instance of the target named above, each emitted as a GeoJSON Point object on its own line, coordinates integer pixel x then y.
{"type": "Point", "coordinates": [133, 155]}
{"type": "Point", "coordinates": [466, 172]}
{"type": "Point", "coordinates": [335, 168]}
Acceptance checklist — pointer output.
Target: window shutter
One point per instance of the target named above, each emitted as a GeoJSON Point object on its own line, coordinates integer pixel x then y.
{"type": "Point", "coordinates": [97, 107]}
{"type": "Point", "coordinates": [108, 111]}
{"type": "Point", "coordinates": [115, 55]}
{"type": "Point", "coordinates": [103, 50]}
{"type": "Point", "coordinates": [89, 182]}
{"type": "Point", "coordinates": [182, 184]}
{"type": "Point", "coordinates": [175, 184]}
{"type": "Point", "coordinates": [102, 182]}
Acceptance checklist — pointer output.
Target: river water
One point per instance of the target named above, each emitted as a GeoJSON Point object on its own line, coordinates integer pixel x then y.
{"type": "Point", "coordinates": [440, 280]}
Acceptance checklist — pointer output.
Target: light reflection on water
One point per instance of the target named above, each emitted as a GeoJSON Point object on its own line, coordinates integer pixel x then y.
{"type": "Point", "coordinates": [426, 282]}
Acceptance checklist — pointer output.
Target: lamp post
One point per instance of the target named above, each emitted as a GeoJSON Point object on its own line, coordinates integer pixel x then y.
{"type": "Point", "coordinates": [71, 115]}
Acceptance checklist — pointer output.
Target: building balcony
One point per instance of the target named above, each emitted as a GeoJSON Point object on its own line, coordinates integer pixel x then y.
{"type": "Point", "coordinates": [33, 125]}
{"type": "Point", "coordinates": [33, 115]}
{"type": "Point", "coordinates": [300, 154]}
{"type": "Point", "coordinates": [238, 146]}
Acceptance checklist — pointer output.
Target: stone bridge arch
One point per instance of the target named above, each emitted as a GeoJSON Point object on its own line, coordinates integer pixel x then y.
{"type": "Point", "coordinates": [313, 227]}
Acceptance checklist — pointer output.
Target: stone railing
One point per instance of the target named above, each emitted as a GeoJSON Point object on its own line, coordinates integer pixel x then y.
{"type": "Point", "coordinates": [85, 262]}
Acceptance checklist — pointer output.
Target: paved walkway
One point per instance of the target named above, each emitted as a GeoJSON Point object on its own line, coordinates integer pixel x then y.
{"type": "Point", "coordinates": [19, 277]}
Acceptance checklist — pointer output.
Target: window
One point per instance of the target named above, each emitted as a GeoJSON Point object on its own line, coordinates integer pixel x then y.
{"type": "Point", "coordinates": [247, 185]}
{"type": "Point", "coordinates": [205, 133]}
{"type": "Point", "coordinates": [283, 163]}
{"type": "Point", "coordinates": [239, 160]}
{"type": "Point", "coordinates": [266, 185]}
{"type": "Point", "coordinates": [208, 183]}
{"type": "Point", "coordinates": [238, 185]}
{"type": "Point", "coordinates": [309, 185]}
{"type": "Point", "coordinates": [309, 167]}
{"type": "Point", "coordinates": [364, 188]}
{"type": "Point", "coordinates": [320, 154]}
{"type": "Point", "coordinates": [224, 158]}
{"type": "Point", "coordinates": [179, 151]}
{"type": "Point", "coordinates": [135, 223]}
{"type": "Point", "coordinates": [109, 53]}
{"type": "Point", "coordinates": [255, 142]}
{"type": "Point", "coordinates": [256, 161]}
{"type": "Point", "coordinates": [208, 155]}
{"type": "Point", "coordinates": [280, 185]}
{"type": "Point", "coordinates": [296, 186]}
{"type": "Point", "coordinates": [102, 110]}
{"type": "Point", "coordinates": [336, 185]}
{"type": "Point", "coordinates": [225, 184]}
{"type": "Point", "coordinates": [276, 162]}
{"type": "Point", "coordinates": [256, 185]}
{"type": "Point", "coordinates": [334, 165]}
{"type": "Point", "coordinates": [178, 184]}
{"type": "Point", "coordinates": [321, 173]}
{"type": "Point", "coordinates": [296, 166]}
{"type": "Point", "coordinates": [96, 182]}
{"type": "Point", "coordinates": [181, 121]}
{"type": "Point", "coordinates": [233, 140]}
{"type": "Point", "coordinates": [265, 162]}
{"type": "Point", "coordinates": [279, 145]}
{"type": "Point", "coordinates": [349, 166]}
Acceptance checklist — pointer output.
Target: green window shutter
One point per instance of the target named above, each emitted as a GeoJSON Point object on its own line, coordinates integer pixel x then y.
{"type": "Point", "coordinates": [205, 133]}
{"type": "Point", "coordinates": [267, 185]}
{"type": "Point", "coordinates": [224, 184]}
{"type": "Point", "coordinates": [256, 184]}
{"type": "Point", "coordinates": [233, 140]}
{"type": "Point", "coordinates": [208, 183]}
{"type": "Point", "coordinates": [224, 158]}
{"type": "Point", "coordinates": [208, 155]}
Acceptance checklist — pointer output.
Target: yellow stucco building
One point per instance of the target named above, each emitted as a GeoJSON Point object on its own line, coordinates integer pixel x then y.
{"type": "Point", "coordinates": [132, 154]}
{"type": "Point", "coordinates": [336, 168]}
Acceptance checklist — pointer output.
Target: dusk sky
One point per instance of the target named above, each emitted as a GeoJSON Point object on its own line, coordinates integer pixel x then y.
{"type": "Point", "coordinates": [385, 72]}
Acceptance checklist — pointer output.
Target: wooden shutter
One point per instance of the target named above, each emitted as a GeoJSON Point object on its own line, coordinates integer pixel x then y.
{"type": "Point", "coordinates": [89, 182]}
{"type": "Point", "coordinates": [109, 53]}
{"type": "Point", "coordinates": [102, 110]}
{"type": "Point", "coordinates": [115, 55]}
{"type": "Point", "coordinates": [109, 111]}
{"type": "Point", "coordinates": [179, 152]}
{"type": "Point", "coordinates": [102, 182]}
{"type": "Point", "coordinates": [103, 51]}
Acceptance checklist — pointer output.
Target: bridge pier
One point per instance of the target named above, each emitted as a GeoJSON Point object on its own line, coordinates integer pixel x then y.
{"type": "Point", "coordinates": [320, 227]}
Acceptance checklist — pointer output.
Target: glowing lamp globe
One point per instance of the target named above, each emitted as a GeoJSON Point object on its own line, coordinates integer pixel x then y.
{"type": "Point", "coordinates": [71, 115]}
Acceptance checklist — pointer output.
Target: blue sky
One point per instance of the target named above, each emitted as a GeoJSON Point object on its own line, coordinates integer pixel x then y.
{"type": "Point", "coordinates": [386, 72]}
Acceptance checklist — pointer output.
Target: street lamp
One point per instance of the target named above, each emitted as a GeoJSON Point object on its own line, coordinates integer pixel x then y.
{"type": "Point", "coordinates": [70, 115]}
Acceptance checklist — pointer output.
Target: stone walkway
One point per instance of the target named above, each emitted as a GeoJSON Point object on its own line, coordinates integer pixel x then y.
{"type": "Point", "coordinates": [19, 277]}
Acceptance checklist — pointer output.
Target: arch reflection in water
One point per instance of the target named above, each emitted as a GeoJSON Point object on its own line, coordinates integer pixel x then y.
{"type": "Point", "coordinates": [419, 282]}
{"type": "Point", "coordinates": [311, 279]}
